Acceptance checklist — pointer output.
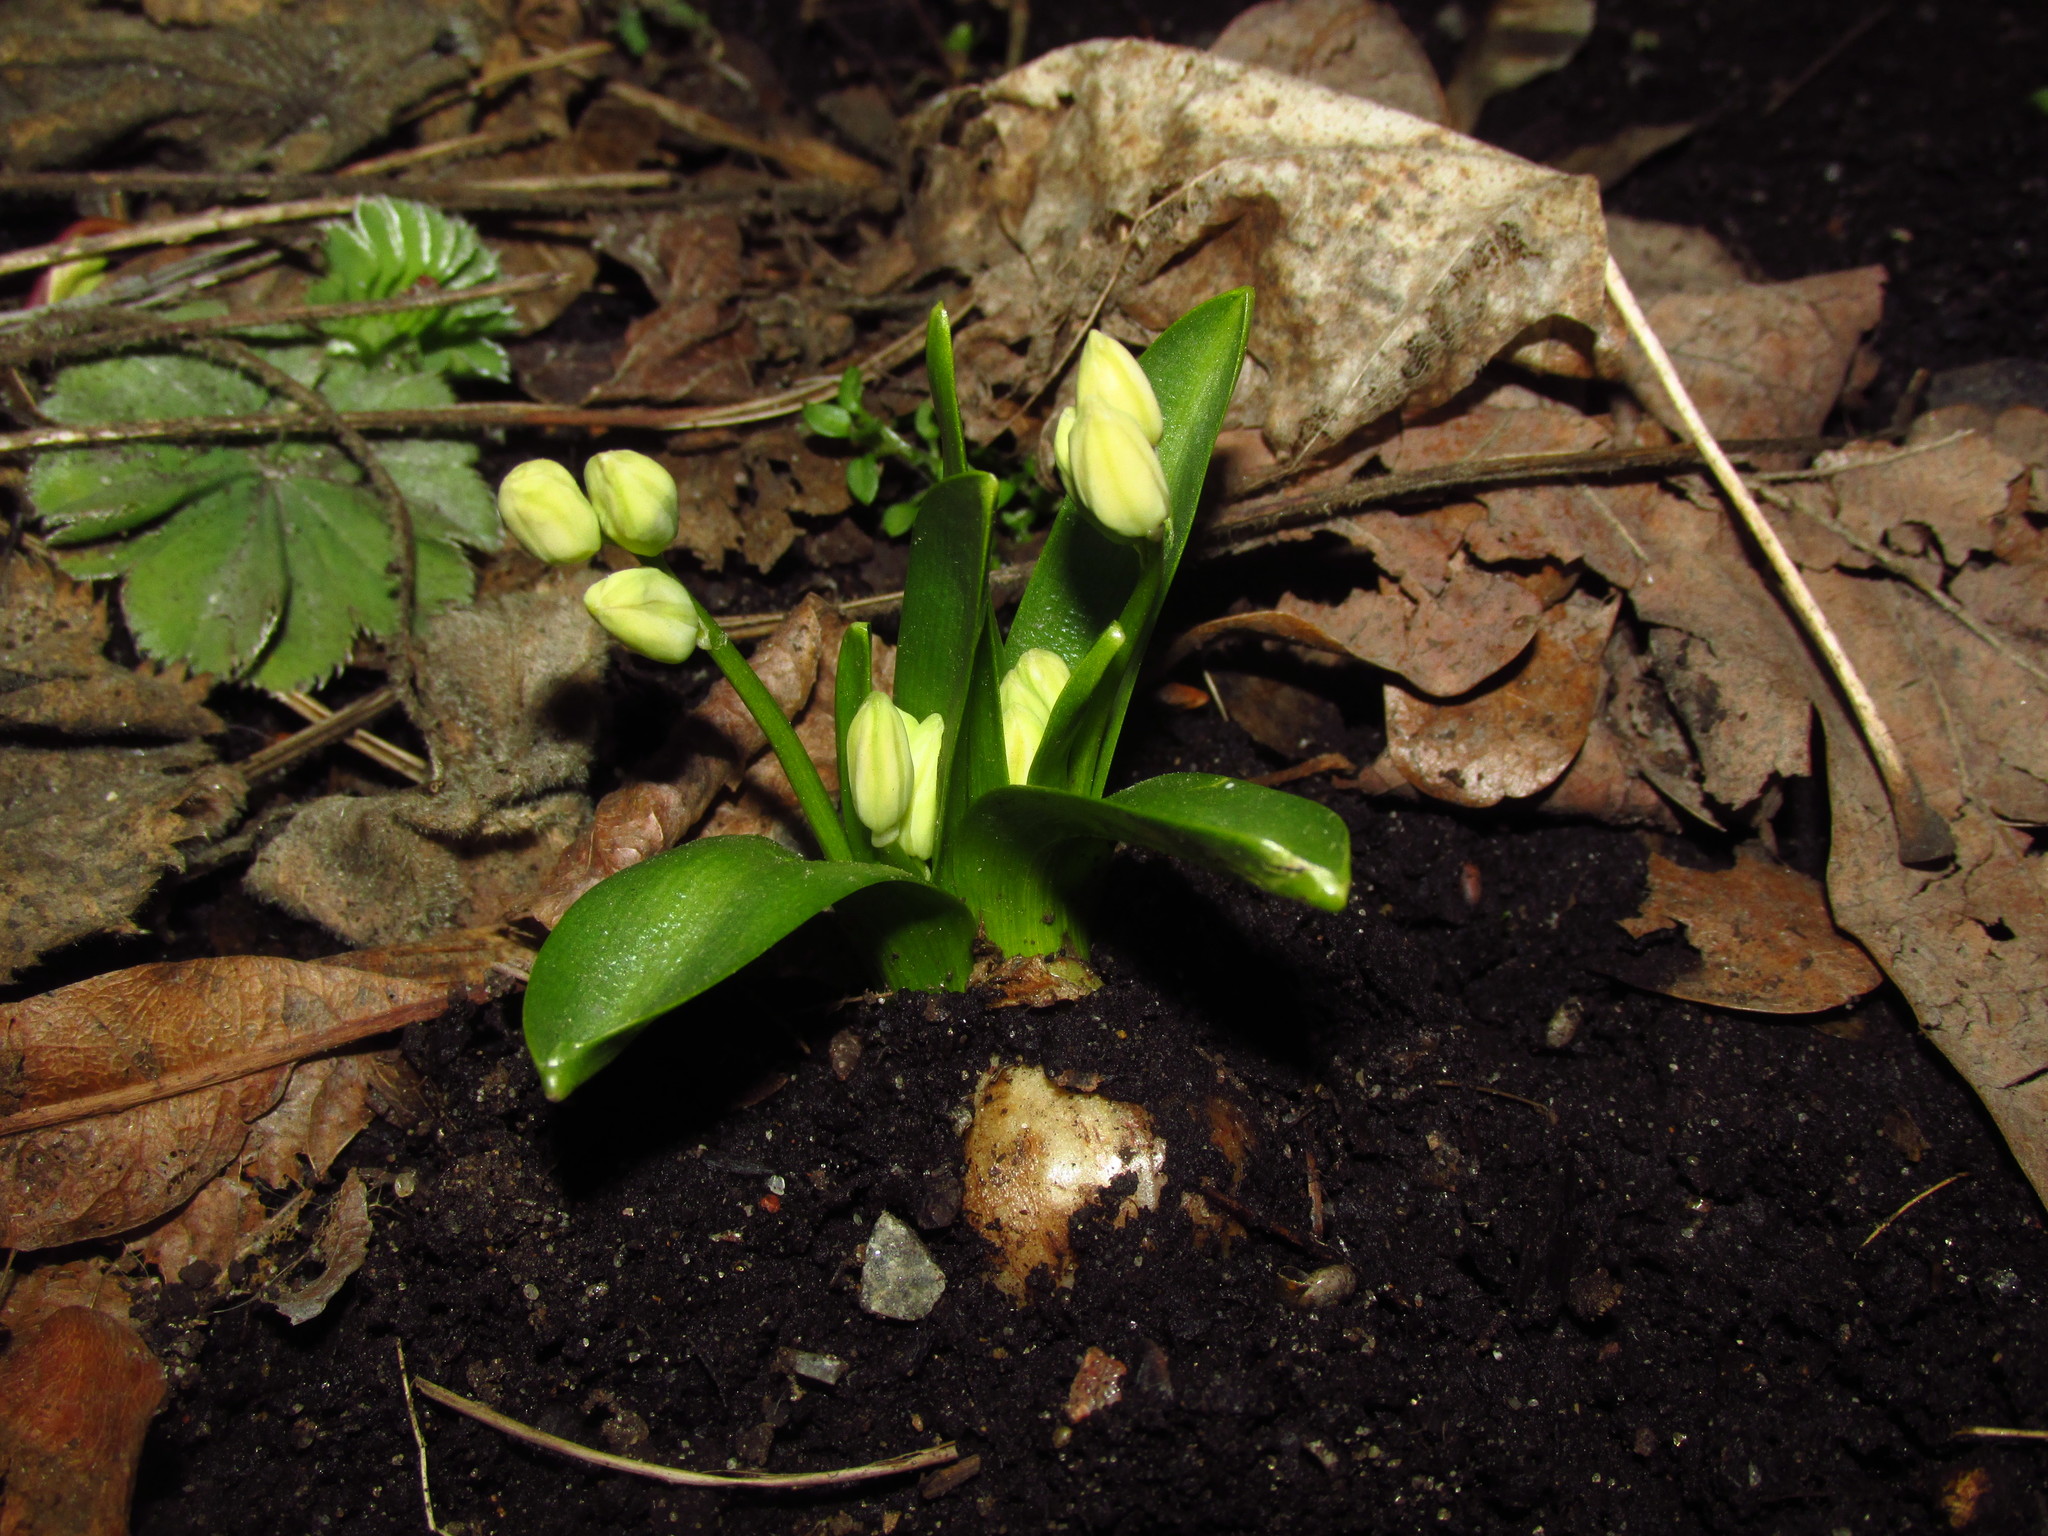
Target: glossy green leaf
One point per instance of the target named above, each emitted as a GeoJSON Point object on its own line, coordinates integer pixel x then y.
{"type": "Point", "coordinates": [945, 396]}
{"type": "Point", "coordinates": [1015, 857]}
{"type": "Point", "coordinates": [828, 419]}
{"type": "Point", "coordinates": [654, 936]}
{"type": "Point", "coordinates": [864, 479]}
{"type": "Point", "coordinates": [1066, 755]}
{"type": "Point", "coordinates": [850, 685]}
{"type": "Point", "coordinates": [898, 518]}
{"type": "Point", "coordinates": [393, 246]}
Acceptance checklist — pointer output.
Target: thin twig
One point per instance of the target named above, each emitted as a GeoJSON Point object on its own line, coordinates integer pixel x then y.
{"type": "Point", "coordinates": [215, 221]}
{"type": "Point", "coordinates": [81, 332]}
{"type": "Point", "coordinates": [1987, 1432]}
{"type": "Point", "coordinates": [474, 417]}
{"type": "Point", "coordinates": [1825, 472]}
{"type": "Point", "coordinates": [458, 148]}
{"type": "Point", "coordinates": [912, 1461]}
{"type": "Point", "coordinates": [1253, 1218]}
{"type": "Point", "coordinates": [1884, 1226]}
{"type": "Point", "coordinates": [1923, 837]}
{"type": "Point", "coordinates": [1784, 93]}
{"type": "Point", "coordinates": [419, 1440]}
{"type": "Point", "coordinates": [404, 558]}
{"type": "Point", "coordinates": [599, 190]}
{"type": "Point", "coordinates": [494, 79]}
{"type": "Point", "coordinates": [333, 725]}
{"type": "Point", "coordinates": [225, 1069]}
{"type": "Point", "coordinates": [1501, 1093]}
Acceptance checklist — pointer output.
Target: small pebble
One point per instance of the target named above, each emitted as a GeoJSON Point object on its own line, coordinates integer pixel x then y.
{"type": "Point", "coordinates": [899, 1279]}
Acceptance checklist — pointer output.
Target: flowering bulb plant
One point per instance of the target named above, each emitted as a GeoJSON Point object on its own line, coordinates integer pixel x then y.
{"type": "Point", "coordinates": [972, 802]}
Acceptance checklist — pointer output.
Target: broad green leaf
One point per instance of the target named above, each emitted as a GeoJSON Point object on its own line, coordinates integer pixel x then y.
{"type": "Point", "coordinates": [917, 936]}
{"type": "Point", "coordinates": [152, 386]}
{"type": "Point", "coordinates": [448, 498]}
{"type": "Point", "coordinates": [356, 386]}
{"type": "Point", "coordinates": [654, 936]}
{"type": "Point", "coordinates": [945, 598]}
{"type": "Point", "coordinates": [1066, 756]}
{"type": "Point", "coordinates": [1014, 860]}
{"type": "Point", "coordinates": [208, 585]}
{"type": "Point", "coordinates": [898, 518]}
{"type": "Point", "coordinates": [1084, 576]}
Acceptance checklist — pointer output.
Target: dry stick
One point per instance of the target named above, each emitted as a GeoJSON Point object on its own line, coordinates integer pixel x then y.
{"type": "Point", "coordinates": [379, 751]}
{"type": "Point", "coordinates": [1923, 837]}
{"type": "Point", "coordinates": [87, 331]}
{"type": "Point", "coordinates": [480, 416]}
{"type": "Point", "coordinates": [217, 221]}
{"type": "Point", "coordinates": [912, 1461]}
{"type": "Point", "coordinates": [460, 147]}
{"type": "Point", "coordinates": [225, 1069]}
{"type": "Point", "coordinates": [491, 80]}
{"type": "Point", "coordinates": [1884, 1226]}
{"type": "Point", "coordinates": [412, 1417]}
{"type": "Point", "coordinates": [1986, 1432]}
{"type": "Point", "coordinates": [502, 194]}
{"type": "Point", "coordinates": [1501, 1093]}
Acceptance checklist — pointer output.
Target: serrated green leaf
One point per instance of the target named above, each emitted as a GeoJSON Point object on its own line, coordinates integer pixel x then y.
{"type": "Point", "coordinates": [448, 498]}
{"type": "Point", "coordinates": [654, 936]}
{"type": "Point", "coordinates": [207, 586]}
{"type": "Point", "coordinates": [95, 493]}
{"type": "Point", "coordinates": [337, 553]}
{"type": "Point", "coordinates": [352, 385]}
{"type": "Point", "coordinates": [152, 386]}
{"type": "Point", "coordinates": [391, 247]}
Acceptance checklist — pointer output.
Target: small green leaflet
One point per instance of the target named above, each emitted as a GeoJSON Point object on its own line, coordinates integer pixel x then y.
{"type": "Point", "coordinates": [266, 562]}
{"type": "Point", "coordinates": [393, 247]}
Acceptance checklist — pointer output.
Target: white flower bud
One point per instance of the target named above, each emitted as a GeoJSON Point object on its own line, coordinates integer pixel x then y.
{"type": "Point", "coordinates": [1110, 376]}
{"type": "Point", "coordinates": [547, 513]}
{"type": "Point", "coordinates": [1063, 448]}
{"type": "Point", "coordinates": [879, 772]}
{"type": "Point", "coordinates": [1117, 474]}
{"type": "Point", "coordinates": [921, 821]}
{"type": "Point", "coordinates": [635, 500]}
{"type": "Point", "coordinates": [1026, 695]}
{"type": "Point", "coordinates": [648, 611]}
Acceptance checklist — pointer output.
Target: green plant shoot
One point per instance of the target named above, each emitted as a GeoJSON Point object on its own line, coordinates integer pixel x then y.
{"type": "Point", "coordinates": [973, 800]}
{"type": "Point", "coordinates": [266, 562]}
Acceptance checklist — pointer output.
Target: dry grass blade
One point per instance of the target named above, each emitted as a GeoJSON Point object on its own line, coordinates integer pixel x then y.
{"type": "Point", "coordinates": [1884, 1226]}
{"type": "Point", "coordinates": [1987, 1432]}
{"type": "Point", "coordinates": [1923, 837]}
{"type": "Point", "coordinates": [379, 751]}
{"type": "Point", "coordinates": [911, 1461]}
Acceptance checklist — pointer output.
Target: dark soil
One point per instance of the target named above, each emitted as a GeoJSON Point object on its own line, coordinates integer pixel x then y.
{"type": "Point", "coordinates": [1621, 1283]}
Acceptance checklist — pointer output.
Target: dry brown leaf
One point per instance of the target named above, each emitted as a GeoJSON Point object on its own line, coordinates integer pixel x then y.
{"type": "Point", "coordinates": [1518, 737]}
{"type": "Point", "coordinates": [639, 820]}
{"type": "Point", "coordinates": [326, 1103]}
{"type": "Point", "coordinates": [77, 1392]}
{"type": "Point", "coordinates": [1959, 491]}
{"type": "Point", "coordinates": [1765, 940]}
{"type": "Point", "coordinates": [1518, 41]}
{"type": "Point", "coordinates": [1762, 360]}
{"type": "Point", "coordinates": [191, 1052]}
{"type": "Point", "coordinates": [1659, 259]}
{"type": "Point", "coordinates": [1610, 161]}
{"type": "Point", "coordinates": [211, 1231]}
{"type": "Point", "coordinates": [1279, 716]}
{"type": "Point", "coordinates": [1150, 178]}
{"type": "Point", "coordinates": [340, 1248]}
{"type": "Point", "coordinates": [1445, 645]}
{"type": "Point", "coordinates": [300, 88]}
{"type": "Point", "coordinates": [1359, 47]}
{"type": "Point", "coordinates": [1032, 981]}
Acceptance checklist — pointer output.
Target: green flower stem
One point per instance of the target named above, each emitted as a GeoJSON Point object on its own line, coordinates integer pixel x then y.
{"type": "Point", "coordinates": [1140, 613]}
{"type": "Point", "coordinates": [818, 809]}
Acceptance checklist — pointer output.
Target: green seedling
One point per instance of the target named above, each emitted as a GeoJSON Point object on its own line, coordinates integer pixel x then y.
{"type": "Point", "coordinates": [1021, 503]}
{"type": "Point", "coordinates": [973, 803]}
{"type": "Point", "coordinates": [267, 562]}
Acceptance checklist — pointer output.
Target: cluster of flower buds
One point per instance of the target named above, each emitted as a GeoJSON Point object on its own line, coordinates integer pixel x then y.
{"type": "Point", "coordinates": [1106, 443]}
{"type": "Point", "coordinates": [892, 772]}
{"type": "Point", "coordinates": [632, 502]}
{"type": "Point", "coordinates": [1027, 694]}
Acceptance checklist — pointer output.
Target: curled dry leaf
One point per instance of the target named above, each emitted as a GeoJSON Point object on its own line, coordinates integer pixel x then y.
{"type": "Point", "coordinates": [340, 1248]}
{"type": "Point", "coordinates": [638, 821]}
{"type": "Point", "coordinates": [1036, 1156]}
{"type": "Point", "coordinates": [1149, 178]}
{"type": "Point", "coordinates": [1516, 738]}
{"type": "Point", "coordinates": [1097, 1384]}
{"type": "Point", "coordinates": [1518, 41]}
{"type": "Point", "coordinates": [1359, 47]}
{"type": "Point", "coordinates": [144, 1082]}
{"type": "Point", "coordinates": [77, 1392]}
{"type": "Point", "coordinates": [1765, 939]}
{"type": "Point", "coordinates": [211, 1232]}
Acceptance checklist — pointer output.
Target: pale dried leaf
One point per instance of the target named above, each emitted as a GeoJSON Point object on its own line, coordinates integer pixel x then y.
{"type": "Point", "coordinates": [211, 1230]}
{"type": "Point", "coordinates": [1518, 737]}
{"type": "Point", "coordinates": [1220, 174]}
{"type": "Point", "coordinates": [1518, 41]}
{"type": "Point", "coordinates": [1765, 940]}
{"type": "Point", "coordinates": [1359, 47]}
{"type": "Point", "coordinates": [326, 1103]}
{"type": "Point", "coordinates": [1445, 645]}
{"type": "Point", "coordinates": [1658, 259]}
{"type": "Point", "coordinates": [340, 1247]}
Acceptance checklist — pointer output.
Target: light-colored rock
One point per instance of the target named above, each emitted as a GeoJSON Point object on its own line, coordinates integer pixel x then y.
{"type": "Point", "coordinates": [899, 1279]}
